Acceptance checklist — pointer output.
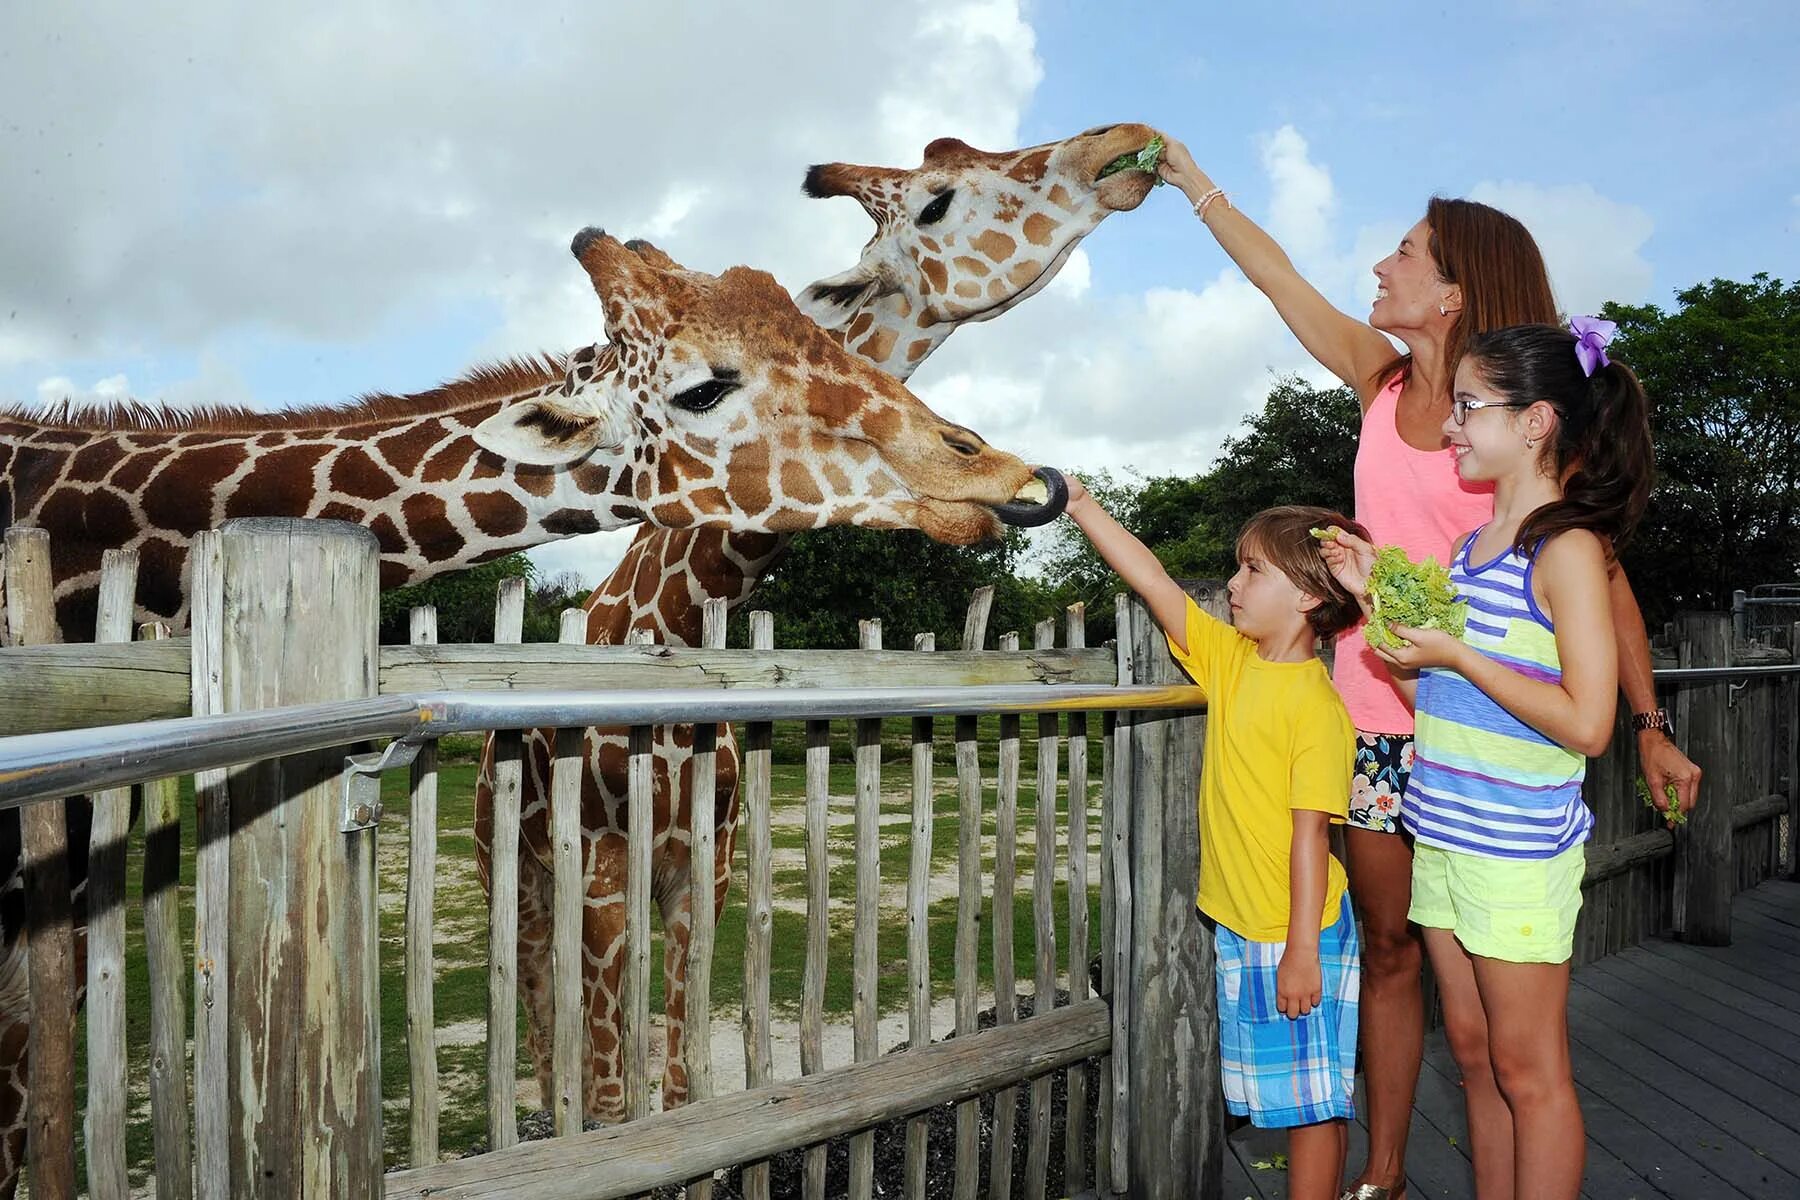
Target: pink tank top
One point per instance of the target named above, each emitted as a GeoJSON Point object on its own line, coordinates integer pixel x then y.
{"type": "Point", "coordinates": [1413, 499]}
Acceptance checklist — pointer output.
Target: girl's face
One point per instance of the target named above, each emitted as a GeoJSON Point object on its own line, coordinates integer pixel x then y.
{"type": "Point", "coordinates": [1409, 288]}
{"type": "Point", "coordinates": [1498, 436]}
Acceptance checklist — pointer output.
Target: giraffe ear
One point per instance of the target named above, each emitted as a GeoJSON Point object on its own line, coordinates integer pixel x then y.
{"type": "Point", "coordinates": [546, 433]}
{"type": "Point", "coordinates": [830, 302]}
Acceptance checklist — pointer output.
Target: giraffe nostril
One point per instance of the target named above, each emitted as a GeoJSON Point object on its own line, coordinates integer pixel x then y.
{"type": "Point", "coordinates": [963, 441]}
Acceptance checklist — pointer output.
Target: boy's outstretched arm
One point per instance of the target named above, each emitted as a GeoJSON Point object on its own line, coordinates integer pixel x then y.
{"type": "Point", "coordinates": [1134, 562]}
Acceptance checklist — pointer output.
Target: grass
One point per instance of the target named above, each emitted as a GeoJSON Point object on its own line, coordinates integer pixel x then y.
{"type": "Point", "coordinates": [461, 915]}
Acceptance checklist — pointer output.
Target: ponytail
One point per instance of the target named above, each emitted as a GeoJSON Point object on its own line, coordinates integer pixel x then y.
{"type": "Point", "coordinates": [1602, 450]}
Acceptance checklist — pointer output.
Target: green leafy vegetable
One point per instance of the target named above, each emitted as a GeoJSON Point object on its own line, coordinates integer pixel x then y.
{"type": "Point", "coordinates": [1139, 160]}
{"type": "Point", "coordinates": [1324, 535]}
{"type": "Point", "coordinates": [1673, 814]}
{"type": "Point", "coordinates": [1418, 595]}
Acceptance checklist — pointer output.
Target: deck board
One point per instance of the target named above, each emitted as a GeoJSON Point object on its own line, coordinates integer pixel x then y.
{"type": "Point", "coordinates": [1687, 1062]}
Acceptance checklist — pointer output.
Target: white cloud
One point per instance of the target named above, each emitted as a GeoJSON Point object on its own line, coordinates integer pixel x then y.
{"type": "Point", "coordinates": [1593, 245]}
{"type": "Point", "coordinates": [1303, 200]}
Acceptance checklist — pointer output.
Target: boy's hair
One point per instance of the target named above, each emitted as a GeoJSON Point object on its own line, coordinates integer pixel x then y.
{"type": "Point", "coordinates": [1283, 536]}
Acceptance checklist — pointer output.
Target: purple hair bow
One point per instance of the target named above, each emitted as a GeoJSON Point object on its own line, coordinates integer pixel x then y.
{"type": "Point", "coordinates": [1592, 335]}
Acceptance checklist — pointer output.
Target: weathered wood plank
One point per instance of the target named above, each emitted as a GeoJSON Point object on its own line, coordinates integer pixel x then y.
{"type": "Point", "coordinates": [1176, 1108]}
{"type": "Point", "coordinates": [1605, 860]}
{"type": "Point", "coordinates": [818, 926]}
{"type": "Point", "coordinates": [1706, 843]}
{"type": "Point", "coordinates": [640, 809]}
{"type": "Point", "coordinates": [696, 1045]}
{"type": "Point", "coordinates": [568, 770]}
{"type": "Point", "coordinates": [1075, 1174]}
{"type": "Point", "coordinates": [1006, 990]}
{"type": "Point", "coordinates": [421, 929]}
{"type": "Point", "coordinates": [1731, 1002]}
{"type": "Point", "coordinates": [672, 1147]}
{"type": "Point", "coordinates": [503, 897]}
{"type": "Point", "coordinates": [212, 886]}
{"type": "Point", "coordinates": [866, 965]}
{"type": "Point", "coordinates": [107, 834]}
{"type": "Point", "coordinates": [968, 898]}
{"type": "Point", "coordinates": [300, 614]}
{"type": "Point", "coordinates": [542, 665]}
{"type": "Point", "coordinates": [1120, 831]}
{"type": "Point", "coordinates": [165, 962]}
{"type": "Point", "coordinates": [50, 1115]}
{"type": "Point", "coordinates": [759, 901]}
{"type": "Point", "coordinates": [918, 929]}
{"type": "Point", "coordinates": [1043, 913]}
{"type": "Point", "coordinates": [50, 687]}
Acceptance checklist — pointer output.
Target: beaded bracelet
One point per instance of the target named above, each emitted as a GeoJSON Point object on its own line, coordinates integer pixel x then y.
{"type": "Point", "coordinates": [1216, 194]}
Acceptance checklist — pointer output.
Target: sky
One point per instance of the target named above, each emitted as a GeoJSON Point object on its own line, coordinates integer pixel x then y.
{"type": "Point", "coordinates": [296, 204]}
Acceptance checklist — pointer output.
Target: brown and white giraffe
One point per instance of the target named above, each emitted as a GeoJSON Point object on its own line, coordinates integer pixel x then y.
{"type": "Point", "coordinates": [714, 403]}
{"type": "Point", "coordinates": [962, 238]}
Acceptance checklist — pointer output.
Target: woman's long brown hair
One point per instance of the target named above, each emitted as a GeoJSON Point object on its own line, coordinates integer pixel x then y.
{"type": "Point", "coordinates": [1498, 265]}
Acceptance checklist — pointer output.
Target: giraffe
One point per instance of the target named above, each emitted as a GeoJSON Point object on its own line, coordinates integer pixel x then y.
{"type": "Point", "coordinates": [962, 238]}
{"type": "Point", "coordinates": [714, 403]}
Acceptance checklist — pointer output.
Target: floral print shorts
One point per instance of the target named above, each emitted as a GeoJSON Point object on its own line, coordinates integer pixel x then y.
{"type": "Point", "coordinates": [1383, 765]}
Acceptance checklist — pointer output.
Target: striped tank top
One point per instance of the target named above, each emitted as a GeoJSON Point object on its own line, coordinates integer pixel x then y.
{"type": "Point", "coordinates": [1484, 782]}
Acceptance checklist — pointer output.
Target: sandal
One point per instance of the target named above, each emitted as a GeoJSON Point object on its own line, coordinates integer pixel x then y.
{"type": "Point", "coordinates": [1374, 1191]}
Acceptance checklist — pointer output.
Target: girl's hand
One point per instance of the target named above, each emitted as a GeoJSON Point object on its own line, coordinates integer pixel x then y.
{"type": "Point", "coordinates": [1298, 985]}
{"type": "Point", "coordinates": [1430, 648]}
{"type": "Point", "coordinates": [1349, 559]}
{"type": "Point", "coordinates": [1179, 168]}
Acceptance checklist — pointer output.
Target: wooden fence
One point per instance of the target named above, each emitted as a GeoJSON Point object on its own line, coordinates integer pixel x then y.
{"type": "Point", "coordinates": [285, 1074]}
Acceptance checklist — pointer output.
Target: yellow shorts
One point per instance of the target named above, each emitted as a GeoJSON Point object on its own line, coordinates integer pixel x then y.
{"type": "Point", "coordinates": [1513, 909]}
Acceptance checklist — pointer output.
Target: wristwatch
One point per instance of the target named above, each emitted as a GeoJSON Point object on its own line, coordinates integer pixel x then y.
{"type": "Point", "coordinates": [1656, 718]}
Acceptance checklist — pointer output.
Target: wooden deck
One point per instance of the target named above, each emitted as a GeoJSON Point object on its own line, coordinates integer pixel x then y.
{"type": "Point", "coordinates": [1688, 1065]}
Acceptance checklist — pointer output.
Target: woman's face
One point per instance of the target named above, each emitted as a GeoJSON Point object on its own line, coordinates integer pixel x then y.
{"type": "Point", "coordinates": [1409, 288]}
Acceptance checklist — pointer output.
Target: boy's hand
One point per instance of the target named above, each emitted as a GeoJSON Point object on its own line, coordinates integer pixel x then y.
{"type": "Point", "coordinates": [1298, 984]}
{"type": "Point", "coordinates": [1077, 490]}
{"type": "Point", "coordinates": [1430, 648]}
{"type": "Point", "coordinates": [1349, 559]}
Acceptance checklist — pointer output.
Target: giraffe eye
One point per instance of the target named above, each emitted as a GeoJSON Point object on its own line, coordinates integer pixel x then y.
{"type": "Point", "coordinates": [940, 204]}
{"type": "Point", "coordinates": [703, 396]}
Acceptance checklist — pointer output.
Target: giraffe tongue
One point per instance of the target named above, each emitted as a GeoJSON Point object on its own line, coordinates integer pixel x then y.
{"type": "Point", "coordinates": [1039, 502]}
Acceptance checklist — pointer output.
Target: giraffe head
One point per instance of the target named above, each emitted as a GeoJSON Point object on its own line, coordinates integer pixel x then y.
{"type": "Point", "coordinates": [968, 234]}
{"type": "Point", "coordinates": [716, 402]}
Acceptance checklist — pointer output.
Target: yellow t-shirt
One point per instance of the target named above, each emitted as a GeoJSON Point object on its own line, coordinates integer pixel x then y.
{"type": "Point", "coordinates": [1277, 739]}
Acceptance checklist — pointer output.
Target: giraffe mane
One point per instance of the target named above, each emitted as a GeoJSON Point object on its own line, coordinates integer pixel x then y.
{"type": "Point", "coordinates": [483, 382]}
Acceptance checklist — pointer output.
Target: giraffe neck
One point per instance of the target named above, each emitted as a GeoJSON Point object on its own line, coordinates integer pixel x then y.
{"type": "Point", "coordinates": [406, 469]}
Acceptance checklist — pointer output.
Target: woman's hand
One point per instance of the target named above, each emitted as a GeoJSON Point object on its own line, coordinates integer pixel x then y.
{"type": "Point", "coordinates": [1349, 559]}
{"type": "Point", "coordinates": [1179, 168]}
{"type": "Point", "coordinates": [1663, 763]}
{"type": "Point", "coordinates": [1430, 648]}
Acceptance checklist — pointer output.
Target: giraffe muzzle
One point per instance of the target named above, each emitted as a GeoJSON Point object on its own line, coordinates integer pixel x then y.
{"type": "Point", "coordinates": [1037, 503]}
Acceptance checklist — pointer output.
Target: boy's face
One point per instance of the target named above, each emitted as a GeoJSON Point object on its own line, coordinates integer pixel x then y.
{"type": "Point", "coordinates": [1265, 602]}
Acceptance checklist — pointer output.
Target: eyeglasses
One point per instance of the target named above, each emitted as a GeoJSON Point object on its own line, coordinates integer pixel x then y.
{"type": "Point", "coordinates": [1460, 408]}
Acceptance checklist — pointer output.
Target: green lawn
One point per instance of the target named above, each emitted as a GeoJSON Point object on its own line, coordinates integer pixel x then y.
{"type": "Point", "coordinates": [461, 916]}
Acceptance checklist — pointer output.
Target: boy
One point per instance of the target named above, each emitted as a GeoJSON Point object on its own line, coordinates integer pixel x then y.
{"type": "Point", "coordinates": [1279, 748]}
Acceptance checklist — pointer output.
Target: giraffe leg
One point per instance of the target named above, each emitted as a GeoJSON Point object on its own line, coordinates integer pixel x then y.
{"type": "Point", "coordinates": [603, 968]}
{"type": "Point", "coordinates": [15, 1035]}
{"type": "Point", "coordinates": [677, 915]}
{"type": "Point", "coordinates": [536, 887]}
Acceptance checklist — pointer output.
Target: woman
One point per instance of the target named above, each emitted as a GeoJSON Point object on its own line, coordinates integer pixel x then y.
{"type": "Point", "coordinates": [1463, 269]}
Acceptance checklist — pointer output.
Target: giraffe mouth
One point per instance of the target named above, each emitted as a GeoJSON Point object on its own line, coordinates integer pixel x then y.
{"type": "Point", "coordinates": [1039, 502]}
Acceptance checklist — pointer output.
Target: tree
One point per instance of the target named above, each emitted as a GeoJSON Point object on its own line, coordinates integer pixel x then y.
{"type": "Point", "coordinates": [465, 602]}
{"type": "Point", "coordinates": [1298, 449]}
{"type": "Point", "coordinates": [831, 578]}
{"type": "Point", "coordinates": [1723, 375]}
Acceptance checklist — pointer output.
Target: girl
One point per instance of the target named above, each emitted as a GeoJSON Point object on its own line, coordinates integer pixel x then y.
{"type": "Point", "coordinates": [1506, 719]}
{"type": "Point", "coordinates": [1463, 269]}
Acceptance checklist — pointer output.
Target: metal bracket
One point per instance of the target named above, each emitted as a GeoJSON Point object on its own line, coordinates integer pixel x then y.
{"type": "Point", "coordinates": [362, 783]}
{"type": "Point", "coordinates": [1731, 691]}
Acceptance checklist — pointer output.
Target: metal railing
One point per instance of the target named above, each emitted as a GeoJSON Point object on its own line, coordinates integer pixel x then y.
{"type": "Point", "coordinates": [39, 766]}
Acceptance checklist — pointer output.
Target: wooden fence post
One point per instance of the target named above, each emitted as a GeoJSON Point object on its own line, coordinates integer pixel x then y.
{"type": "Point", "coordinates": [1176, 1118]}
{"type": "Point", "coordinates": [1705, 845]}
{"type": "Point", "coordinates": [299, 620]}
{"type": "Point", "coordinates": [44, 842]}
{"type": "Point", "coordinates": [1790, 868]}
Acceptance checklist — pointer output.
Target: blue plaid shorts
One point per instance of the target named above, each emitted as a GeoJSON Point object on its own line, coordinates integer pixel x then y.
{"type": "Point", "coordinates": [1279, 1071]}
